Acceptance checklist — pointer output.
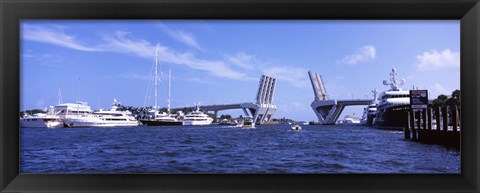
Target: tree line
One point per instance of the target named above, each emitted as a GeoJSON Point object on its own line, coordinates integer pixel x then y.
{"type": "Point", "coordinates": [441, 101]}
{"type": "Point", "coordinates": [444, 100]}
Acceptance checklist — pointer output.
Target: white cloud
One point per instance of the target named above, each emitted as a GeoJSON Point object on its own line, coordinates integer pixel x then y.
{"type": "Point", "coordinates": [243, 60]}
{"type": "Point", "coordinates": [122, 42]}
{"type": "Point", "coordinates": [435, 59]}
{"type": "Point", "coordinates": [363, 54]}
{"type": "Point", "coordinates": [296, 77]}
{"type": "Point", "coordinates": [45, 59]}
{"type": "Point", "coordinates": [201, 80]}
{"type": "Point", "coordinates": [181, 36]}
{"type": "Point", "coordinates": [135, 76]}
{"type": "Point", "coordinates": [217, 68]}
{"type": "Point", "coordinates": [437, 89]}
{"type": "Point", "coordinates": [187, 39]}
{"type": "Point", "coordinates": [53, 34]}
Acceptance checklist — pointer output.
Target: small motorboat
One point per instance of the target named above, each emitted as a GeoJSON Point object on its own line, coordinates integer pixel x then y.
{"type": "Point", "coordinates": [295, 127]}
{"type": "Point", "coordinates": [248, 123]}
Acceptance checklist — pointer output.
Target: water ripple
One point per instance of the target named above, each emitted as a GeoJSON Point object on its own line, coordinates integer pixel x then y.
{"type": "Point", "coordinates": [216, 149]}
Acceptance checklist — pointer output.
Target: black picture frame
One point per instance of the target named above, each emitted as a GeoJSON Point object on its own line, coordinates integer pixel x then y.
{"type": "Point", "coordinates": [12, 11]}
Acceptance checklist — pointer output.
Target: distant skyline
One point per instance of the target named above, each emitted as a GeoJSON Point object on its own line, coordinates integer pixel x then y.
{"type": "Point", "coordinates": [221, 61]}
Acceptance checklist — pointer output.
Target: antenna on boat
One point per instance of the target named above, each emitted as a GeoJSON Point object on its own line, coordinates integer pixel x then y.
{"type": "Point", "coordinates": [375, 91]}
{"type": "Point", "coordinates": [394, 83]}
{"type": "Point", "coordinates": [78, 90]}
{"type": "Point", "coordinates": [60, 101]}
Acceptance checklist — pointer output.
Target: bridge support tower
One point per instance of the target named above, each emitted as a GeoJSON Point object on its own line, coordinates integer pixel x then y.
{"type": "Point", "coordinates": [328, 110]}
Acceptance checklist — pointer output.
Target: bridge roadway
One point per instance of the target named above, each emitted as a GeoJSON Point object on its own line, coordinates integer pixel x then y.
{"type": "Point", "coordinates": [213, 107]}
{"type": "Point", "coordinates": [328, 111]}
{"type": "Point", "coordinates": [354, 102]}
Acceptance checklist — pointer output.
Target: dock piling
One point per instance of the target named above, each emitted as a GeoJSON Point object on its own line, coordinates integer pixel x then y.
{"type": "Point", "coordinates": [414, 129]}
{"type": "Point", "coordinates": [437, 118]}
{"type": "Point", "coordinates": [406, 128]}
{"type": "Point", "coordinates": [454, 118]}
{"type": "Point", "coordinates": [445, 119]}
{"type": "Point", "coordinates": [424, 119]}
{"type": "Point", "coordinates": [429, 119]}
{"type": "Point", "coordinates": [419, 125]}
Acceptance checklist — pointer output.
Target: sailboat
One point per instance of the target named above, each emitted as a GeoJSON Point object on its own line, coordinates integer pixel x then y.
{"type": "Point", "coordinates": [160, 119]}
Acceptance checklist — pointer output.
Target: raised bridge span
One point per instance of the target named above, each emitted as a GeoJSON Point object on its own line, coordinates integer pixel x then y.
{"type": "Point", "coordinates": [261, 110]}
{"type": "Point", "coordinates": [328, 110]}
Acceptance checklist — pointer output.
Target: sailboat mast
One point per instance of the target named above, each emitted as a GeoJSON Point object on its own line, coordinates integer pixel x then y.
{"type": "Point", "coordinates": [169, 89]}
{"type": "Point", "coordinates": [60, 101]}
{"type": "Point", "coordinates": [78, 89]}
{"type": "Point", "coordinates": [155, 82]}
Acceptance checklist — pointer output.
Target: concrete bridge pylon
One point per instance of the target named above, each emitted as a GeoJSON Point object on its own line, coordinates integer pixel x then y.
{"type": "Point", "coordinates": [328, 110]}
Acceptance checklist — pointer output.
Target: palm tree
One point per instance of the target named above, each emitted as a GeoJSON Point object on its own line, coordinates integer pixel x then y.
{"type": "Point", "coordinates": [454, 100]}
{"type": "Point", "coordinates": [439, 101]}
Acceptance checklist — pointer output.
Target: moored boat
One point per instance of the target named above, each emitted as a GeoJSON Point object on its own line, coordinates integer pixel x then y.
{"type": "Point", "coordinates": [161, 119]}
{"type": "Point", "coordinates": [41, 120]}
{"type": "Point", "coordinates": [371, 110]}
{"type": "Point", "coordinates": [196, 117]}
{"type": "Point", "coordinates": [393, 104]}
{"type": "Point", "coordinates": [101, 118]}
{"type": "Point", "coordinates": [156, 118]}
{"type": "Point", "coordinates": [228, 122]}
{"type": "Point", "coordinates": [350, 119]}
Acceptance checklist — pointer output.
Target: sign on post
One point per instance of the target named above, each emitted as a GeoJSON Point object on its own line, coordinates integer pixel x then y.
{"type": "Point", "coordinates": [419, 99]}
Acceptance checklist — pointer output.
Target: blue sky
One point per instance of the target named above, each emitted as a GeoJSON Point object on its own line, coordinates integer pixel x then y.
{"type": "Point", "coordinates": [221, 61]}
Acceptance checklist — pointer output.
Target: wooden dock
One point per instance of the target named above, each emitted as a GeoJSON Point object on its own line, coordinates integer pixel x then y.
{"type": "Point", "coordinates": [434, 126]}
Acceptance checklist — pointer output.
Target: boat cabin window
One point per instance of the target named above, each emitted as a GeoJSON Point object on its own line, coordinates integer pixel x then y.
{"type": "Point", "coordinates": [395, 96]}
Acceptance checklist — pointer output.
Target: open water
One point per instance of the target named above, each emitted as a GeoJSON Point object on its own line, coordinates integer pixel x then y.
{"type": "Point", "coordinates": [223, 149]}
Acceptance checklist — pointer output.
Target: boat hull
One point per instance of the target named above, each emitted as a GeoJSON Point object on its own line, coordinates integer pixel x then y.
{"type": "Point", "coordinates": [41, 123]}
{"type": "Point", "coordinates": [160, 123]}
{"type": "Point", "coordinates": [79, 122]}
{"type": "Point", "coordinates": [392, 117]}
{"type": "Point", "coordinates": [189, 122]}
{"type": "Point", "coordinates": [370, 118]}
{"type": "Point", "coordinates": [296, 127]}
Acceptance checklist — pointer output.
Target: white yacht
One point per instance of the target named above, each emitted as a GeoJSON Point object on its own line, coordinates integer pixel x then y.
{"type": "Point", "coordinates": [110, 118]}
{"type": "Point", "coordinates": [68, 110]}
{"type": "Point", "coordinates": [48, 120]}
{"type": "Point", "coordinates": [371, 110]}
{"type": "Point", "coordinates": [393, 104]}
{"type": "Point", "coordinates": [196, 117]}
{"type": "Point", "coordinates": [229, 122]}
{"type": "Point", "coordinates": [350, 119]}
{"type": "Point", "coordinates": [305, 123]}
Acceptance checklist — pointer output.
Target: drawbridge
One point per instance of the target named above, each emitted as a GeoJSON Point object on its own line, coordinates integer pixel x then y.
{"type": "Point", "coordinates": [261, 110]}
{"type": "Point", "coordinates": [329, 110]}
